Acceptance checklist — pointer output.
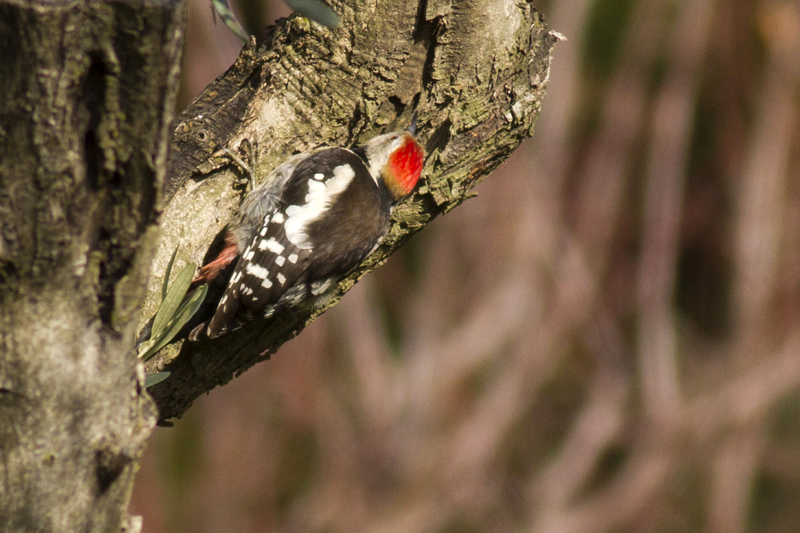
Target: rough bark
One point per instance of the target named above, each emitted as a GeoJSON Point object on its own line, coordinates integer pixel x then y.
{"type": "Point", "coordinates": [476, 71]}
{"type": "Point", "coordinates": [87, 97]}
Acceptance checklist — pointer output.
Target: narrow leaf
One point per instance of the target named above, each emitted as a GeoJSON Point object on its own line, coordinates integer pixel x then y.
{"type": "Point", "coordinates": [316, 10]}
{"type": "Point", "coordinates": [152, 379]}
{"type": "Point", "coordinates": [167, 274]}
{"type": "Point", "coordinates": [173, 298]}
{"type": "Point", "coordinates": [184, 313]}
{"type": "Point", "coordinates": [194, 301]}
{"type": "Point", "coordinates": [223, 9]}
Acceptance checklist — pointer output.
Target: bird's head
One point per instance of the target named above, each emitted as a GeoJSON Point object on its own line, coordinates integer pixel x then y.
{"type": "Point", "coordinates": [395, 160]}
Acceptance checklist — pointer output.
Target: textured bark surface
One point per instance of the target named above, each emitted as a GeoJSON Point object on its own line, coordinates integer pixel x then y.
{"type": "Point", "coordinates": [475, 70]}
{"type": "Point", "coordinates": [88, 92]}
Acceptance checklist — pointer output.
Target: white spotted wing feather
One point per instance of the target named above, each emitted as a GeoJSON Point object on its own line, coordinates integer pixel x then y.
{"type": "Point", "coordinates": [313, 235]}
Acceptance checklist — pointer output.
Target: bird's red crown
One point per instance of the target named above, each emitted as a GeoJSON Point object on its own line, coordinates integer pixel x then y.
{"type": "Point", "coordinates": [405, 166]}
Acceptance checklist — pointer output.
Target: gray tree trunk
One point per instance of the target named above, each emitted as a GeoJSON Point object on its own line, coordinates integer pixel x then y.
{"type": "Point", "coordinates": [84, 122]}
{"type": "Point", "coordinates": [476, 71]}
{"type": "Point", "coordinates": [87, 97]}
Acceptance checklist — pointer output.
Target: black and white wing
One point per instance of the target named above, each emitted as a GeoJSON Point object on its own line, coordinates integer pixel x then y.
{"type": "Point", "coordinates": [324, 221]}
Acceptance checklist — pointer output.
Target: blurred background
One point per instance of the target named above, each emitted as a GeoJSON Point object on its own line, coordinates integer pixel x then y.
{"type": "Point", "coordinates": [606, 339]}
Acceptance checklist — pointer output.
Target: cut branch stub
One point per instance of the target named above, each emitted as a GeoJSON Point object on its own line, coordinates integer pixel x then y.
{"type": "Point", "coordinates": [476, 75]}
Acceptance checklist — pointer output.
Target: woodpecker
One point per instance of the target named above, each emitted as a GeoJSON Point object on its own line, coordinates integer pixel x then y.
{"type": "Point", "coordinates": [312, 221]}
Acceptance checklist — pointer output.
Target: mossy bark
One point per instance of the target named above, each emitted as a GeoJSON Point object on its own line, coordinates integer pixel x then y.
{"type": "Point", "coordinates": [87, 90]}
{"type": "Point", "coordinates": [475, 70]}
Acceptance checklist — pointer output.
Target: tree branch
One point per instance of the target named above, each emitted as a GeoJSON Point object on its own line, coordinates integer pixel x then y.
{"type": "Point", "coordinates": [475, 70]}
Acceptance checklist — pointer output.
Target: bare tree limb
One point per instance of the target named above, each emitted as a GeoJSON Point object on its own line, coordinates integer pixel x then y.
{"type": "Point", "coordinates": [476, 71]}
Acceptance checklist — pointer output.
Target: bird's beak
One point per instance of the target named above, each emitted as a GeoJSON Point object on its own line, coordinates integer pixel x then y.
{"type": "Point", "coordinates": [412, 128]}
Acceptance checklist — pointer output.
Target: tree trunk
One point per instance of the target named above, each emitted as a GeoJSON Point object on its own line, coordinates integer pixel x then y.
{"type": "Point", "coordinates": [475, 70]}
{"type": "Point", "coordinates": [88, 91]}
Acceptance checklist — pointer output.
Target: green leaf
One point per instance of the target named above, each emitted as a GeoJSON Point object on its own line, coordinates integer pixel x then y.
{"type": "Point", "coordinates": [316, 10]}
{"type": "Point", "coordinates": [173, 298]}
{"type": "Point", "coordinates": [184, 313]}
{"type": "Point", "coordinates": [152, 379]}
{"type": "Point", "coordinates": [145, 346]}
{"type": "Point", "coordinates": [223, 9]}
{"type": "Point", "coordinates": [165, 283]}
